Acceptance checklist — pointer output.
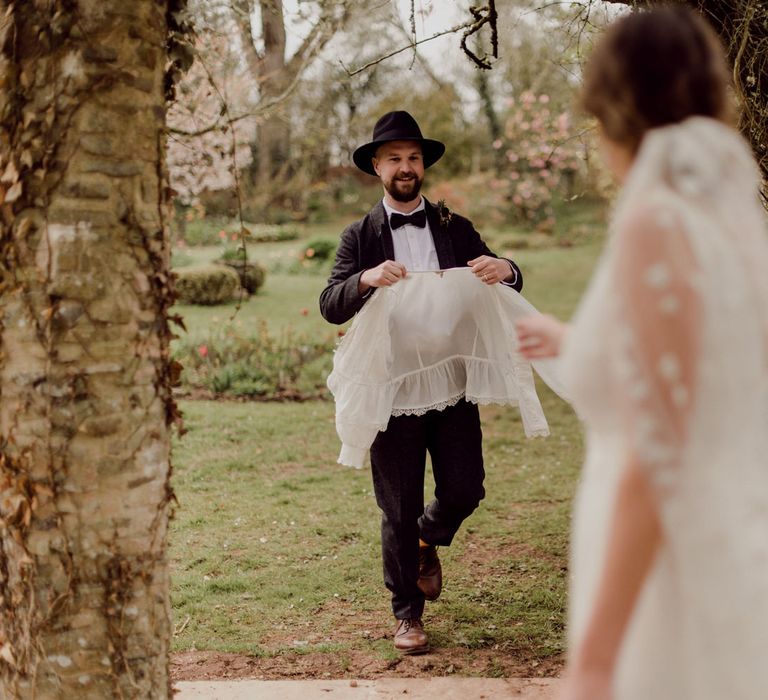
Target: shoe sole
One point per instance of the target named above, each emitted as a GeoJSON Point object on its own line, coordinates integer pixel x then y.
{"type": "Point", "coordinates": [415, 651]}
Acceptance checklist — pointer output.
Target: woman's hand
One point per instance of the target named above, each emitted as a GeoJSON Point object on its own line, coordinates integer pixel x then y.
{"type": "Point", "coordinates": [540, 336]}
{"type": "Point", "coordinates": [586, 685]}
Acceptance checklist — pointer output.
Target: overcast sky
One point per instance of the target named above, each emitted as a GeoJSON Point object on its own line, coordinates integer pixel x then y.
{"type": "Point", "coordinates": [432, 16]}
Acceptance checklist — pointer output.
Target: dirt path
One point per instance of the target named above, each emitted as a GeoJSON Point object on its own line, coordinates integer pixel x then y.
{"type": "Point", "coordinates": [458, 661]}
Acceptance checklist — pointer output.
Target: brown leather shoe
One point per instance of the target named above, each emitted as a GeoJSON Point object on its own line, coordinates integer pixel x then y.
{"type": "Point", "coordinates": [430, 573]}
{"type": "Point", "coordinates": [410, 637]}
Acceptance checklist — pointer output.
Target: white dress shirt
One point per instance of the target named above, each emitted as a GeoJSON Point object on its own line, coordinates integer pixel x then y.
{"type": "Point", "coordinates": [413, 246]}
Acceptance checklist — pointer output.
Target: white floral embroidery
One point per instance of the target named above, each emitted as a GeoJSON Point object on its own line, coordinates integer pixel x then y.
{"type": "Point", "coordinates": [657, 276]}
{"type": "Point", "coordinates": [669, 367]}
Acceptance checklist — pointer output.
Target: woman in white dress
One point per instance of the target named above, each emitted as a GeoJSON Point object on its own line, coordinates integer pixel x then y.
{"type": "Point", "coordinates": [666, 361]}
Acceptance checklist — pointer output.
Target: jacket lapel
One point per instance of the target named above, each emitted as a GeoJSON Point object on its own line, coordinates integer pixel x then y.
{"type": "Point", "coordinates": [440, 236]}
{"type": "Point", "coordinates": [380, 226]}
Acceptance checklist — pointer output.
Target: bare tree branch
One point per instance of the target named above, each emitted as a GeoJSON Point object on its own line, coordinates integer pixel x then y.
{"type": "Point", "coordinates": [482, 16]}
{"type": "Point", "coordinates": [425, 65]}
{"type": "Point", "coordinates": [320, 34]}
{"type": "Point", "coordinates": [411, 45]}
{"type": "Point", "coordinates": [261, 109]}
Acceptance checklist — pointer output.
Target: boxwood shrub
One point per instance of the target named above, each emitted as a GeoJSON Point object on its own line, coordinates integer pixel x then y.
{"type": "Point", "coordinates": [206, 285]}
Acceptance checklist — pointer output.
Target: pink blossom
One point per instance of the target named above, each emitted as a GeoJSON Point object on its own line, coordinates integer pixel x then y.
{"type": "Point", "coordinates": [223, 235]}
{"type": "Point", "coordinates": [512, 156]}
{"type": "Point", "coordinates": [203, 351]}
{"type": "Point", "coordinates": [517, 199]}
{"type": "Point", "coordinates": [497, 144]}
{"type": "Point", "coordinates": [544, 173]}
{"type": "Point", "coordinates": [543, 99]}
{"type": "Point", "coordinates": [515, 175]}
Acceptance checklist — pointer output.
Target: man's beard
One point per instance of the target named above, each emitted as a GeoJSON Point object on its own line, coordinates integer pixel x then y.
{"type": "Point", "coordinates": [402, 190]}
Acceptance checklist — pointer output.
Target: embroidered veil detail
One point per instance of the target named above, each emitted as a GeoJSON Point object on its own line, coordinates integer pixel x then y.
{"type": "Point", "coordinates": [424, 344]}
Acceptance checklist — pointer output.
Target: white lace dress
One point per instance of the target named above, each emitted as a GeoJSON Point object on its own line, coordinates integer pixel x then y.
{"type": "Point", "coordinates": [666, 359]}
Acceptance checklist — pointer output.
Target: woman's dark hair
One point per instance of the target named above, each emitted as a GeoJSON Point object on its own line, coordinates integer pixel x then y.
{"type": "Point", "coordinates": [653, 68]}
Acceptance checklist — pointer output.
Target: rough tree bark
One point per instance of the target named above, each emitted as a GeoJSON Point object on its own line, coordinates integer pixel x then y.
{"type": "Point", "coordinates": [85, 404]}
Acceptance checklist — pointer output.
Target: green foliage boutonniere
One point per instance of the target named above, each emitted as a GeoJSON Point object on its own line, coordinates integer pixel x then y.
{"type": "Point", "coordinates": [445, 213]}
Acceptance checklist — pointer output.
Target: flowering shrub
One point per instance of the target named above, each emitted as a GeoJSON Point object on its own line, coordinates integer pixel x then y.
{"type": "Point", "coordinates": [539, 151]}
{"type": "Point", "coordinates": [262, 365]}
{"type": "Point", "coordinates": [481, 197]}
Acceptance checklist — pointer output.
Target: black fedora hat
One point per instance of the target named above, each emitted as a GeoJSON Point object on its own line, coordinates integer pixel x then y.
{"type": "Point", "coordinates": [396, 126]}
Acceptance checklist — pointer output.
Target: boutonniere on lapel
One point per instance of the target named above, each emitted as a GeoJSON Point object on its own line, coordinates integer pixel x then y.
{"type": "Point", "coordinates": [444, 213]}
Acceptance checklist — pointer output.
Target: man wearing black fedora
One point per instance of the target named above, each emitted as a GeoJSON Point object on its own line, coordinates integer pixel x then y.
{"type": "Point", "coordinates": [406, 232]}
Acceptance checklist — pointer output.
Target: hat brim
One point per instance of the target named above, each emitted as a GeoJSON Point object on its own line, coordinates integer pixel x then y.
{"type": "Point", "coordinates": [431, 151]}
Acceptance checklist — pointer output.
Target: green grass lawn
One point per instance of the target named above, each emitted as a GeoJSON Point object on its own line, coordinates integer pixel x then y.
{"type": "Point", "coordinates": [553, 281]}
{"type": "Point", "coordinates": [275, 547]}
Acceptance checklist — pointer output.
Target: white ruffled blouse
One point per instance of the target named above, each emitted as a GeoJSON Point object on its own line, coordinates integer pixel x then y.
{"type": "Point", "coordinates": [423, 344]}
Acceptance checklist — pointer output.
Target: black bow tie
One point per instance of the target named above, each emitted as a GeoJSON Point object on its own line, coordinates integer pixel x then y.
{"type": "Point", "coordinates": [417, 219]}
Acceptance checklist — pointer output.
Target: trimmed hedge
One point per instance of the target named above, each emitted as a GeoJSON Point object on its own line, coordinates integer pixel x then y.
{"type": "Point", "coordinates": [252, 275]}
{"type": "Point", "coordinates": [206, 285]}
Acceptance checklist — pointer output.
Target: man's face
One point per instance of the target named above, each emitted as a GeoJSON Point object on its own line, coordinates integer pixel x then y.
{"type": "Point", "coordinates": [400, 166]}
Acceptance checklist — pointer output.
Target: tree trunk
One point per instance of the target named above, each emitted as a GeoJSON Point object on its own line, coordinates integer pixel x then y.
{"type": "Point", "coordinates": [494, 125]}
{"type": "Point", "coordinates": [273, 134]}
{"type": "Point", "coordinates": [274, 73]}
{"type": "Point", "coordinates": [85, 403]}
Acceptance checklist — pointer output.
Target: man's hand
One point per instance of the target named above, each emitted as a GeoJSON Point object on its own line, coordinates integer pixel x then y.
{"type": "Point", "coordinates": [383, 275]}
{"type": "Point", "coordinates": [491, 270]}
